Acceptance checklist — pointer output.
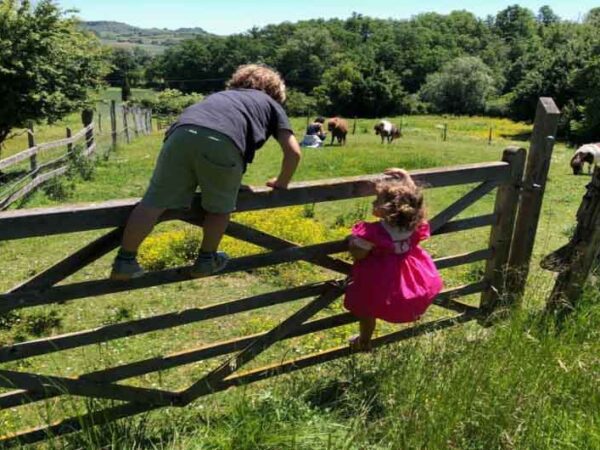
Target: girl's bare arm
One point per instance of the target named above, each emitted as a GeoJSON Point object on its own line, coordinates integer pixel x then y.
{"type": "Point", "coordinates": [357, 252]}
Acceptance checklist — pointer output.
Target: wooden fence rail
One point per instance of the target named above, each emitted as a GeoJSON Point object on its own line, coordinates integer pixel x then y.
{"type": "Point", "coordinates": [40, 173]}
{"type": "Point", "coordinates": [42, 289]}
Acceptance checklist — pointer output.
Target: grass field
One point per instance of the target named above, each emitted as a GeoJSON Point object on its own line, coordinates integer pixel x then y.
{"type": "Point", "coordinates": [521, 384]}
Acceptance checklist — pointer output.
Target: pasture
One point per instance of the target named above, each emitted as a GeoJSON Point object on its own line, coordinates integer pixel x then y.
{"type": "Point", "coordinates": [471, 388]}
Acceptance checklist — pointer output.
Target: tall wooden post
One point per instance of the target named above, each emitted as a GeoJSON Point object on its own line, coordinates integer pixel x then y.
{"type": "Point", "coordinates": [584, 249]}
{"type": "Point", "coordinates": [150, 127]}
{"type": "Point", "coordinates": [136, 123]}
{"type": "Point", "coordinates": [532, 195]}
{"type": "Point", "coordinates": [33, 165]}
{"type": "Point", "coordinates": [70, 144]}
{"type": "Point", "coordinates": [87, 117]}
{"type": "Point", "coordinates": [125, 125]}
{"type": "Point", "coordinates": [99, 122]}
{"type": "Point", "coordinates": [445, 132]}
{"type": "Point", "coordinates": [505, 210]}
{"type": "Point", "coordinates": [113, 123]}
{"type": "Point", "coordinates": [354, 126]}
{"type": "Point", "coordinates": [490, 137]}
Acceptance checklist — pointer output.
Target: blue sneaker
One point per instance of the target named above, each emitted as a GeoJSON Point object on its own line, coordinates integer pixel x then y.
{"type": "Point", "coordinates": [124, 269]}
{"type": "Point", "coordinates": [209, 264]}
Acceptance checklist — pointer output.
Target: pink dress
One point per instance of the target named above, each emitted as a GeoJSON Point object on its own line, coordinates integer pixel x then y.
{"type": "Point", "coordinates": [398, 280]}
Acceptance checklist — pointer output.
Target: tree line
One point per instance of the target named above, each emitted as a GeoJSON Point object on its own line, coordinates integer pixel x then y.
{"type": "Point", "coordinates": [359, 66]}
{"type": "Point", "coordinates": [455, 63]}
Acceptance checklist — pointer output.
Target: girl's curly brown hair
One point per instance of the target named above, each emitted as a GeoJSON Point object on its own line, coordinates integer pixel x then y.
{"type": "Point", "coordinates": [401, 203]}
{"type": "Point", "coordinates": [262, 78]}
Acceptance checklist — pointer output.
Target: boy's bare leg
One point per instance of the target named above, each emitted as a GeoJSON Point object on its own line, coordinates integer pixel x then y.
{"type": "Point", "coordinates": [214, 227]}
{"type": "Point", "coordinates": [139, 225]}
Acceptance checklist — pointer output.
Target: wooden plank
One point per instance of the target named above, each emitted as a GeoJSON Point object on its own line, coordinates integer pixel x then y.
{"type": "Point", "coordinates": [461, 204]}
{"type": "Point", "coordinates": [445, 299]}
{"type": "Point", "coordinates": [207, 383]}
{"type": "Point", "coordinates": [138, 368]}
{"type": "Point", "coordinates": [262, 239]}
{"type": "Point", "coordinates": [94, 288]}
{"type": "Point", "coordinates": [71, 264]}
{"type": "Point", "coordinates": [71, 218]}
{"type": "Point", "coordinates": [505, 209]}
{"type": "Point", "coordinates": [465, 258]}
{"type": "Point", "coordinates": [86, 388]}
{"type": "Point", "coordinates": [40, 148]}
{"type": "Point", "coordinates": [339, 352]}
{"type": "Point", "coordinates": [31, 186]}
{"type": "Point", "coordinates": [532, 195]}
{"type": "Point", "coordinates": [88, 289]}
{"type": "Point", "coordinates": [75, 424]}
{"type": "Point", "coordinates": [466, 224]}
{"type": "Point", "coordinates": [155, 323]}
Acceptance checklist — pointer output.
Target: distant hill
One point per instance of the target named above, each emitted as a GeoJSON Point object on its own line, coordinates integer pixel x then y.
{"type": "Point", "coordinates": [155, 40]}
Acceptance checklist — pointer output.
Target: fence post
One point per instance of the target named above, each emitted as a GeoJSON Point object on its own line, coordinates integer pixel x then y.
{"type": "Point", "coordinates": [354, 126]}
{"type": "Point", "coordinates": [532, 195]}
{"type": "Point", "coordinates": [134, 113]}
{"type": "Point", "coordinates": [490, 137]}
{"type": "Point", "coordinates": [445, 132]}
{"type": "Point", "coordinates": [150, 129]}
{"type": "Point", "coordinates": [31, 143]}
{"type": "Point", "coordinates": [505, 210]}
{"type": "Point", "coordinates": [87, 117]}
{"type": "Point", "coordinates": [584, 249]}
{"type": "Point", "coordinates": [99, 122]}
{"type": "Point", "coordinates": [125, 125]}
{"type": "Point", "coordinates": [70, 144]}
{"type": "Point", "coordinates": [113, 123]}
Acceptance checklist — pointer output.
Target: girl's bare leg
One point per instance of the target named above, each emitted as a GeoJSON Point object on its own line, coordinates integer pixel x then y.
{"type": "Point", "coordinates": [362, 342]}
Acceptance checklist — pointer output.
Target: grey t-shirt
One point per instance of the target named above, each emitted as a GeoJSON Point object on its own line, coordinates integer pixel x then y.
{"type": "Point", "coordinates": [247, 116]}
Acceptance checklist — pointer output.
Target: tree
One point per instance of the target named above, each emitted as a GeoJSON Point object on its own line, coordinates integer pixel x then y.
{"type": "Point", "coordinates": [546, 16]}
{"type": "Point", "coordinates": [48, 66]}
{"type": "Point", "coordinates": [462, 86]}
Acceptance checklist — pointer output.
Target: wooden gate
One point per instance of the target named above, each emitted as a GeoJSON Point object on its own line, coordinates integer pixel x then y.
{"type": "Point", "coordinates": [42, 289]}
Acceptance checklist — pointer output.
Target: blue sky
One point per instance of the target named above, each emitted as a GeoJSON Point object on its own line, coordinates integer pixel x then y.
{"type": "Point", "coordinates": [233, 16]}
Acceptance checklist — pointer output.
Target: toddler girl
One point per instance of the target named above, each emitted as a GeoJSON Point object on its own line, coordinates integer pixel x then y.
{"type": "Point", "coordinates": [393, 278]}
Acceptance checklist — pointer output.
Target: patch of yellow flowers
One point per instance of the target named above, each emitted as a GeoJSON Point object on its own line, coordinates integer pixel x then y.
{"type": "Point", "coordinates": [180, 246]}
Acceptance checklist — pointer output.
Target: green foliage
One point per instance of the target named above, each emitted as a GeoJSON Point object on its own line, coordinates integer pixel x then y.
{"type": "Point", "coordinates": [47, 64]}
{"type": "Point", "coordinates": [170, 102]}
{"type": "Point", "coordinates": [462, 86]}
{"type": "Point", "coordinates": [300, 104]}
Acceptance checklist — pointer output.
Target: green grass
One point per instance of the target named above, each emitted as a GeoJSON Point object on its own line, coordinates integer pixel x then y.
{"type": "Point", "coordinates": [501, 387]}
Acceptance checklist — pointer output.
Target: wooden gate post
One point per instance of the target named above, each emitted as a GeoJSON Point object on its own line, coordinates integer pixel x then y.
{"type": "Point", "coordinates": [87, 117]}
{"type": "Point", "coordinates": [33, 165]}
{"type": "Point", "coordinates": [113, 123]}
{"type": "Point", "coordinates": [532, 195]}
{"type": "Point", "coordinates": [505, 210]}
{"type": "Point", "coordinates": [584, 251]}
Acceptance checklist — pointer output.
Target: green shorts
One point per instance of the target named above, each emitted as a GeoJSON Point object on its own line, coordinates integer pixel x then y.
{"type": "Point", "coordinates": [193, 156]}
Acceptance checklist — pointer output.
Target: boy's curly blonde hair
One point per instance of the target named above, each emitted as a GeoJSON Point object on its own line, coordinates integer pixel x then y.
{"type": "Point", "coordinates": [260, 77]}
{"type": "Point", "coordinates": [401, 203]}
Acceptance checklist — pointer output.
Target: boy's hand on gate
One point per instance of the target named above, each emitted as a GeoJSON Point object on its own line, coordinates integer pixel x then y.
{"type": "Point", "coordinates": [274, 183]}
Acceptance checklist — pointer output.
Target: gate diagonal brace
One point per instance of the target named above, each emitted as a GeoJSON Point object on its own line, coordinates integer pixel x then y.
{"type": "Point", "coordinates": [211, 381]}
{"type": "Point", "coordinates": [84, 388]}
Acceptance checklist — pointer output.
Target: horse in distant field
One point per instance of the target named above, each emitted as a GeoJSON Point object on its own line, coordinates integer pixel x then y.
{"type": "Point", "coordinates": [338, 128]}
{"type": "Point", "coordinates": [588, 153]}
{"type": "Point", "coordinates": [387, 130]}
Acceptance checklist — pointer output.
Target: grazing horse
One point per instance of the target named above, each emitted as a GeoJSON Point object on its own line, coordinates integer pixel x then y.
{"type": "Point", "coordinates": [338, 128]}
{"type": "Point", "coordinates": [588, 153]}
{"type": "Point", "coordinates": [388, 131]}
